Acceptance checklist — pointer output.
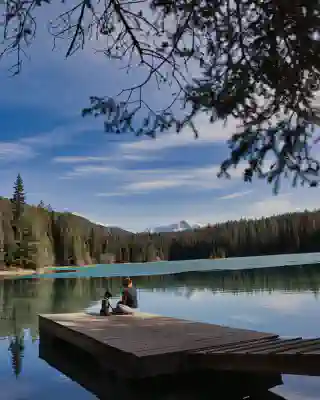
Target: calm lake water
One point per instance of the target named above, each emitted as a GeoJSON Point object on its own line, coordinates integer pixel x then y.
{"type": "Point", "coordinates": [282, 300]}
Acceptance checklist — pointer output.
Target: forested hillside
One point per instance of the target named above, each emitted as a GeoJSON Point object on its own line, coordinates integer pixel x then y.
{"type": "Point", "coordinates": [37, 236]}
{"type": "Point", "coordinates": [288, 233]}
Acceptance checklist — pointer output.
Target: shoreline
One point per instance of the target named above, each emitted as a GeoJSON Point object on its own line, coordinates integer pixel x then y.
{"type": "Point", "coordinates": [12, 272]}
{"type": "Point", "coordinates": [16, 272]}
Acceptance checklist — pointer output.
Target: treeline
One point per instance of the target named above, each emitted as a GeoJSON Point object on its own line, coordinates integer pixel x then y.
{"type": "Point", "coordinates": [288, 233]}
{"type": "Point", "coordinates": [37, 236]}
{"type": "Point", "coordinates": [33, 237]}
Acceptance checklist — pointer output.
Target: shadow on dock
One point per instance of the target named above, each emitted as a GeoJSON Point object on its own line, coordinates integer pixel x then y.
{"type": "Point", "coordinates": [85, 370]}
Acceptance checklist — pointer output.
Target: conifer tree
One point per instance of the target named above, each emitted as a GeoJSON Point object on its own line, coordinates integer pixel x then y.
{"type": "Point", "coordinates": [18, 198]}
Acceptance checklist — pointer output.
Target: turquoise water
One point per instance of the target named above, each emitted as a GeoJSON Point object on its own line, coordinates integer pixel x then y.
{"type": "Point", "coordinates": [283, 300]}
{"type": "Point", "coordinates": [169, 267]}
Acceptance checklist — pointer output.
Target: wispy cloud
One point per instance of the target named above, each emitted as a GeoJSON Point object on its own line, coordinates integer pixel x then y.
{"type": "Point", "coordinates": [158, 184]}
{"type": "Point", "coordinates": [112, 194]}
{"type": "Point", "coordinates": [235, 195]}
{"type": "Point", "coordinates": [61, 135]}
{"type": "Point", "coordinates": [138, 157]}
{"type": "Point", "coordinates": [273, 205]}
{"type": "Point", "coordinates": [26, 148]}
{"type": "Point", "coordinates": [148, 181]}
{"type": "Point", "coordinates": [79, 159]}
{"type": "Point", "coordinates": [208, 133]}
{"type": "Point", "coordinates": [101, 159]}
{"type": "Point", "coordinates": [88, 171]}
{"type": "Point", "coordinates": [13, 151]}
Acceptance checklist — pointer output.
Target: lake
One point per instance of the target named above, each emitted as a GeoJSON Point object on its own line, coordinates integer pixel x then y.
{"type": "Point", "coordinates": [277, 299]}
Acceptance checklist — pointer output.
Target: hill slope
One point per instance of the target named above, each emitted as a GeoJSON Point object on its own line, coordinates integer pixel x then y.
{"type": "Point", "coordinates": [52, 238]}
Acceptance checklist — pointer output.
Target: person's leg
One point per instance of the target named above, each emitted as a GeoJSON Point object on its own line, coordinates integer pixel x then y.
{"type": "Point", "coordinates": [123, 309]}
{"type": "Point", "coordinates": [104, 308]}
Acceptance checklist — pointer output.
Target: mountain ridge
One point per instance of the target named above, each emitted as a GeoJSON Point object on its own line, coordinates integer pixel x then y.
{"type": "Point", "coordinates": [180, 226]}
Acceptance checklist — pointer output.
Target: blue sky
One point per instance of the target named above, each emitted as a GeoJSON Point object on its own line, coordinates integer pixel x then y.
{"type": "Point", "coordinates": [135, 183]}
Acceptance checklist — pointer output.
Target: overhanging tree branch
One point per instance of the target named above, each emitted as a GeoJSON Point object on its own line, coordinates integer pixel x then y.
{"type": "Point", "coordinates": [256, 61]}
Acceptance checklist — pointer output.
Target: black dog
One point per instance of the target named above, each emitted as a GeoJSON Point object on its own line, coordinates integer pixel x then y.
{"type": "Point", "coordinates": [105, 304]}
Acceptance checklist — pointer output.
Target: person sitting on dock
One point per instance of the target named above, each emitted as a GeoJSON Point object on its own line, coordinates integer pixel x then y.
{"type": "Point", "coordinates": [129, 300]}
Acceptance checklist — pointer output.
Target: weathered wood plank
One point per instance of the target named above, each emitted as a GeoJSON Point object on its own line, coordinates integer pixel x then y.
{"type": "Point", "coordinates": [286, 356]}
{"type": "Point", "coordinates": [243, 343]}
{"type": "Point", "coordinates": [269, 347]}
{"type": "Point", "coordinates": [294, 346]}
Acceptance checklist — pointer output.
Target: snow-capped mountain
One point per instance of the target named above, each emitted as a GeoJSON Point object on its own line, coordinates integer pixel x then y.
{"type": "Point", "coordinates": [180, 226]}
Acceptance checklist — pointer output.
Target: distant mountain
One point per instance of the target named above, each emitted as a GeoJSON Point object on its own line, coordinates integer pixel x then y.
{"type": "Point", "coordinates": [114, 230]}
{"type": "Point", "coordinates": [177, 227]}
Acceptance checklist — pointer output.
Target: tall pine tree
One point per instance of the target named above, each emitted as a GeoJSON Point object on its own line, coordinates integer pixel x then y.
{"type": "Point", "coordinates": [18, 203]}
{"type": "Point", "coordinates": [18, 199]}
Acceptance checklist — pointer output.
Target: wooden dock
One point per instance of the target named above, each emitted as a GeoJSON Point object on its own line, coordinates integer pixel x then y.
{"type": "Point", "coordinates": [146, 345]}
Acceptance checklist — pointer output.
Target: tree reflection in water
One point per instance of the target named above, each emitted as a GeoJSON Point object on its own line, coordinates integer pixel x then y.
{"type": "Point", "coordinates": [16, 342]}
{"type": "Point", "coordinates": [87, 372]}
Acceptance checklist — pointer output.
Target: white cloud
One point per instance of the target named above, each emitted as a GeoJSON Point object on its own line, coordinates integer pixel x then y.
{"type": "Point", "coordinates": [101, 159]}
{"type": "Point", "coordinates": [146, 181]}
{"type": "Point", "coordinates": [78, 159]}
{"type": "Point", "coordinates": [15, 151]}
{"type": "Point", "coordinates": [61, 135]}
{"type": "Point", "coordinates": [158, 184]}
{"type": "Point", "coordinates": [235, 195]}
{"type": "Point", "coordinates": [273, 205]}
{"type": "Point", "coordinates": [196, 178]}
{"type": "Point", "coordinates": [139, 157]}
{"type": "Point", "coordinates": [208, 133]}
{"type": "Point", "coordinates": [89, 170]}
{"type": "Point", "coordinates": [28, 147]}
{"type": "Point", "coordinates": [111, 194]}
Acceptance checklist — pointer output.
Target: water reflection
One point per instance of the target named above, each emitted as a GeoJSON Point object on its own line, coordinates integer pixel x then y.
{"type": "Point", "coordinates": [16, 348]}
{"type": "Point", "coordinates": [33, 296]}
{"type": "Point", "coordinates": [84, 369]}
{"type": "Point", "coordinates": [280, 300]}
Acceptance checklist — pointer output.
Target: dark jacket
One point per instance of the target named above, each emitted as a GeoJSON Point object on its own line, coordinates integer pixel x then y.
{"type": "Point", "coordinates": [130, 297]}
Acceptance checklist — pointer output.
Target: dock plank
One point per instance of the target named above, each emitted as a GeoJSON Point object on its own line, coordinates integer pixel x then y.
{"type": "Point", "coordinates": [295, 356]}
